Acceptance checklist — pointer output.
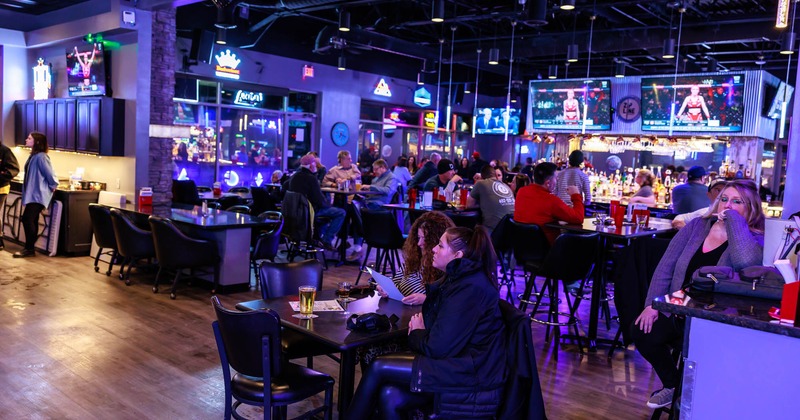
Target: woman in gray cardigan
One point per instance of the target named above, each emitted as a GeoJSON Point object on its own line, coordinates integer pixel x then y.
{"type": "Point", "coordinates": [37, 190]}
{"type": "Point", "coordinates": [730, 234]}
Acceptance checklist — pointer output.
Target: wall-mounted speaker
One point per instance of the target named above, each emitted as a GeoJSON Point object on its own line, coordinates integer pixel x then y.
{"type": "Point", "coordinates": [202, 44]}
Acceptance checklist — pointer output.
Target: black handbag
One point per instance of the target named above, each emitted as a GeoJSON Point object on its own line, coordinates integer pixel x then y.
{"type": "Point", "coordinates": [756, 281]}
{"type": "Point", "coordinates": [371, 322]}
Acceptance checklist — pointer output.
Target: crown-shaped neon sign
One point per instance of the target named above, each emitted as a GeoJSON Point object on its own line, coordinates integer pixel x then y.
{"type": "Point", "coordinates": [226, 65]}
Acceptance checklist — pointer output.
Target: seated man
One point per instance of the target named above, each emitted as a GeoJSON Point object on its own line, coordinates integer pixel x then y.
{"type": "Point", "coordinates": [425, 172]}
{"type": "Point", "coordinates": [537, 204]}
{"type": "Point", "coordinates": [447, 175]}
{"type": "Point", "coordinates": [494, 197]}
{"type": "Point", "coordinates": [692, 195]}
{"type": "Point", "coordinates": [386, 184]}
{"type": "Point", "coordinates": [304, 181]}
{"type": "Point", "coordinates": [321, 169]}
{"type": "Point", "coordinates": [344, 171]}
{"type": "Point", "coordinates": [714, 189]}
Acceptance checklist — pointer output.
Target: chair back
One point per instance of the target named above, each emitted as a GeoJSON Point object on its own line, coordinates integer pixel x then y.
{"type": "Point", "coordinates": [228, 201]}
{"type": "Point", "coordinates": [239, 190]}
{"type": "Point", "coordinates": [204, 188]}
{"type": "Point", "coordinates": [501, 235]}
{"type": "Point", "coordinates": [381, 229]}
{"type": "Point", "coordinates": [101, 226]}
{"type": "Point", "coordinates": [528, 241]}
{"type": "Point", "coordinates": [571, 257]}
{"type": "Point", "coordinates": [185, 192]}
{"type": "Point", "coordinates": [467, 219]}
{"type": "Point", "coordinates": [132, 242]}
{"type": "Point", "coordinates": [297, 212]}
{"type": "Point", "coordinates": [239, 208]}
{"type": "Point", "coordinates": [262, 201]}
{"type": "Point", "coordinates": [241, 334]}
{"type": "Point", "coordinates": [267, 242]}
{"type": "Point", "coordinates": [174, 249]}
{"type": "Point", "coordinates": [283, 279]}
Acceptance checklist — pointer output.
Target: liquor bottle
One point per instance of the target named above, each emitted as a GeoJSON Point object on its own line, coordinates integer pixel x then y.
{"type": "Point", "coordinates": [731, 170]}
{"type": "Point", "coordinates": [748, 172]}
{"type": "Point", "coordinates": [740, 172]}
{"type": "Point", "coordinates": [723, 169]}
{"type": "Point", "coordinates": [668, 196]}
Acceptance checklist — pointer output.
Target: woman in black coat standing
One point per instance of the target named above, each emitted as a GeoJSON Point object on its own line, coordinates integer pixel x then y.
{"type": "Point", "coordinates": [458, 341]}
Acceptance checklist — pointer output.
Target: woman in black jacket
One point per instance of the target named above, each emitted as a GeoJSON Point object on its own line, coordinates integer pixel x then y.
{"type": "Point", "coordinates": [458, 341]}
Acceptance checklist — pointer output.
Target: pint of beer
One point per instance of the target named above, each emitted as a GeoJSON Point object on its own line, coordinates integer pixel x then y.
{"type": "Point", "coordinates": [307, 295]}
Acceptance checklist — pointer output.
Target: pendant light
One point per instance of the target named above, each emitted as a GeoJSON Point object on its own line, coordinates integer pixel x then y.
{"type": "Point", "coordinates": [620, 69]}
{"type": "Point", "coordinates": [494, 56]}
{"type": "Point", "coordinates": [222, 36]}
{"type": "Point", "coordinates": [572, 53]}
{"type": "Point", "coordinates": [342, 65]}
{"type": "Point", "coordinates": [669, 48]}
{"type": "Point", "coordinates": [567, 4]}
{"type": "Point", "coordinates": [787, 43]}
{"type": "Point", "coordinates": [552, 71]}
{"type": "Point", "coordinates": [344, 21]}
{"type": "Point", "coordinates": [437, 14]}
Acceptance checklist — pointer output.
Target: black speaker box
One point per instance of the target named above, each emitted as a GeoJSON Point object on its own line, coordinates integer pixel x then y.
{"type": "Point", "coordinates": [202, 44]}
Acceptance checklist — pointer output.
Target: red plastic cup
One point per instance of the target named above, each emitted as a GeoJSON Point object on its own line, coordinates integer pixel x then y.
{"type": "Point", "coordinates": [619, 216]}
{"type": "Point", "coordinates": [464, 195]}
{"type": "Point", "coordinates": [436, 193]}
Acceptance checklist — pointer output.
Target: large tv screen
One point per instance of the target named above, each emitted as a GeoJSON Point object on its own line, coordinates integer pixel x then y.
{"type": "Point", "coordinates": [571, 104]}
{"type": "Point", "coordinates": [497, 121]}
{"type": "Point", "coordinates": [86, 71]}
{"type": "Point", "coordinates": [703, 103]}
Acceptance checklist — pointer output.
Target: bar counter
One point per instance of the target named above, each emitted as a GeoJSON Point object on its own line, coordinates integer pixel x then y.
{"type": "Point", "coordinates": [738, 362]}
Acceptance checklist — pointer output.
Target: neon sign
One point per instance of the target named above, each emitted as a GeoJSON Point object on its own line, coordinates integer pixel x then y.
{"type": "Point", "coordinates": [422, 97]}
{"type": "Point", "coordinates": [308, 72]}
{"type": "Point", "coordinates": [41, 80]}
{"type": "Point", "coordinates": [226, 65]}
{"type": "Point", "coordinates": [382, 89]}
{"type": "Point", "coordinates": [430, 119]}
{"type": "Point", "coordinates": [247, 98]}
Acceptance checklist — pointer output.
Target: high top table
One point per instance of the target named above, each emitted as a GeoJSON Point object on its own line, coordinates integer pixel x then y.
{"type": "Point", "coordinates": [627, 232]}
{"type": "Point", "coordinates": [331, 328]}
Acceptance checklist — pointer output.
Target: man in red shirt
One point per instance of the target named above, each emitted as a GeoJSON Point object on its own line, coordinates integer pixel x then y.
{"type": "Point", "coordinates": [537, 204]}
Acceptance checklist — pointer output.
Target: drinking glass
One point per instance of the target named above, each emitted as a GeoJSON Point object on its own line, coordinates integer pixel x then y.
{"type": "Point", "coordinates": [641, 220]}
{"type": "Point", "coordinates": [358, 185]}
{"type": "Point", "coordinates": [343, 290]}
{"type": "Point", "coordinates": [601, 217]}
{"type": "Point", "coordinates": [307, 296]}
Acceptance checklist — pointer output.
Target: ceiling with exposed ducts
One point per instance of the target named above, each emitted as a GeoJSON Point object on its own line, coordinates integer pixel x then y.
{"type": "Point", "coordinates": [399, 39]}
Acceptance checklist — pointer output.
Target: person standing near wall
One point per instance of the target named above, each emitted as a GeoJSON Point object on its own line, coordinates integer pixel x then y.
{"type": "Point", "coordinates": [37, 190]}
{"type": "Point", "coordinates": [9, 168]}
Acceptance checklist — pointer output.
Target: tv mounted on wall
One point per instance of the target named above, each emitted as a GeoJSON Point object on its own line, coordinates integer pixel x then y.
{"type": "Point", "coordinates": [702, 103]}
{"type": "Point", "coordinates": [571, 104]}
{"type": "Point", "coordinates": [497, 121]}
{"type": "Point", "coordinates": [86, 70]}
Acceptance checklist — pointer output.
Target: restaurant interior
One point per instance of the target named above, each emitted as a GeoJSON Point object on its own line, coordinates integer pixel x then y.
{"type": "Point", "coordinates": [175, 128]}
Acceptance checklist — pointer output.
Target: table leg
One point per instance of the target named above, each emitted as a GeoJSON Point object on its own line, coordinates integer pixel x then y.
{"type": "Point", "coordinates": [347, 377]}
{"type": "Point", "coordinates": [595, 301]}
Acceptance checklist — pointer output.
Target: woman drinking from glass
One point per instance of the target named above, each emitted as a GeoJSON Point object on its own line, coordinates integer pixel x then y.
{"type": "Point", "coordinates": [730, 234]}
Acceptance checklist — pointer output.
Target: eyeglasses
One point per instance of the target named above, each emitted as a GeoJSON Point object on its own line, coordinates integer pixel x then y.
{"type": "Point", "coordinates": [736, 201]}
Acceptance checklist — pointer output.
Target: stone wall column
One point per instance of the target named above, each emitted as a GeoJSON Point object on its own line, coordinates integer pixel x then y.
{"type": "Point", "coordinates": [162, 90]}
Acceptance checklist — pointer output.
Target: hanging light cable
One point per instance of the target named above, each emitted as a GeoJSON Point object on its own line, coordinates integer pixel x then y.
{"type": "Point", "coordinates": [782, 127]}
{"type": "Point", "coordinates": [510, 68]}
{"type": "Point", "coordinates": [450, 85]}
{"type": "Point", "coordinates": [681, 10]}
{"type": "Point", "coordinates": [439, 83]}
{"type": "Point", "coordinates": [588, 69]}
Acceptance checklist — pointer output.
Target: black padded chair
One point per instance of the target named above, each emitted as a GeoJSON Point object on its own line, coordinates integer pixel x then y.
{"type": "Point", "coordinates": [530, 249]}
{"type": "Point", "coordinates": [467, 219]}
{"type": "Point", "coordinates": [185, 193]}
{"type": "Point", "coordinates": [239, 190]}
{"type": "Point", "coordinates": [381, 233]}
{"type": "Point", "coordinates": [228, 201]}
{"type": "Point", "coordinates": [177, 251]}
{"type": "Point", "coordinates": [262, 200]}
{"type": "Point", "coordinates": [103, 235]}
{"type": "Point", "coordinates": [204, 188]}
{"type": "Point", "coordinates": [249, 342]}
{"type": "Point", "coordinates": [133, 243]}
{"type": "Point", "coordinates": [502, 242]}
{"type": "Point", "coordinates": [571, 258]}
{"type": "Point", "coordinates": [266, 242]}
{"type": "Point", "coordinates": [298, 227]}
{"type": "Point", "coordinates": [239, 208]}
{"type": "Point", "coordinates": [283, 279]}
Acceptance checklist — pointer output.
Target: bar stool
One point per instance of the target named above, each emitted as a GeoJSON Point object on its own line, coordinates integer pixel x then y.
{"type": "Point", "coordinates": [571, 258]}
{"type": "Point", "coordinates": [502, 243]}
{"type": "Point", "coordinates": [530, 249]}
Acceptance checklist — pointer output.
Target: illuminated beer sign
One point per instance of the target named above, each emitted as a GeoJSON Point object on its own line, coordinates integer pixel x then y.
{"type": "Point", "coordinates": [247, 98]}
{"type": "Point", "coordinates": [227, 64]}
{"type": "Point", "coordinates": [308, 72]}
{"type": "Point", "coordinates": [422, 97]}
{"type": "Point", "coordinates": [382, 89]}
{"type": "Point", "coordinates": [430, 119]}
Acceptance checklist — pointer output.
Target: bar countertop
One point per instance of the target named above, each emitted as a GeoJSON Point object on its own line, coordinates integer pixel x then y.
{"type": "Point", "coordinates": [740, 311]}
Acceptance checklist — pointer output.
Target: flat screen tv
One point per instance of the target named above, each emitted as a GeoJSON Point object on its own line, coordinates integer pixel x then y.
{"type": "Point", "coordinates": [703, 103]}
{"type": "Point", "coordinates": [86, 70]}
{"type": "Point", "coordinates": [497, 121]}
{"type": "Point", "coordinates": [571, 104]}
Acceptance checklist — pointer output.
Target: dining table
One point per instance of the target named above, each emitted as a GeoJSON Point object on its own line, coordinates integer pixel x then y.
{"type": "Point", "coordinates": [628, 233]}
{"type": "Point", "coordinates": [330, 328]}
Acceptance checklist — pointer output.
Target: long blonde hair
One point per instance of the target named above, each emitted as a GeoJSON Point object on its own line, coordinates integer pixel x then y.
{"type": "Point", "coordinates": [749, 192]}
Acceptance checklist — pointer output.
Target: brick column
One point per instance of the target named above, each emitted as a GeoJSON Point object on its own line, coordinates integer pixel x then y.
{"type": "Point", "coordinates": [162, 89]}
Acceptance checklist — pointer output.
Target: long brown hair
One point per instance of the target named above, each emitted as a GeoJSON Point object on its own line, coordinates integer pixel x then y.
{"type": "Point", "coordinates": [39, 142]}
{"type": "Point", "coordinates": [433, 225]}
{"type": "Point", "coordinates": [476, 245]}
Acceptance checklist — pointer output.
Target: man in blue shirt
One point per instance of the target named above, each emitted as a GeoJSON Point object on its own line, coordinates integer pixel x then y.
{"type": "Point", "coordinates": [692, 195]}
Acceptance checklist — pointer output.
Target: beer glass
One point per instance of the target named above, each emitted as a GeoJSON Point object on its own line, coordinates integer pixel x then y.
{"type": "Point", "coordinates": [307, 296]}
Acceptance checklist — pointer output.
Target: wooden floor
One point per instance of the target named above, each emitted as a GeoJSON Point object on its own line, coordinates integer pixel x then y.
{"type": "Point", "coordinates": [77, 344]}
